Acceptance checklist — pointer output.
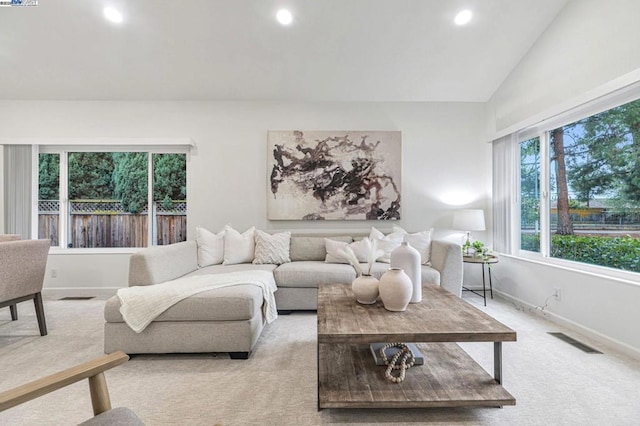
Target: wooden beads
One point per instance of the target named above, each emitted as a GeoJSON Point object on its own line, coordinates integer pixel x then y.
{"type": "Point", "coordinates": [406, 357]}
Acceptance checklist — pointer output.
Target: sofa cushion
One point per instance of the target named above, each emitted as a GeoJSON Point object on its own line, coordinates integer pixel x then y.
{"type": "Point", "coordinates": [233, 303]}
{"type": "Point", "coordinates": [312, 248]}
{"type": "Point", "coordinates": [220, 269]}
{"type": "Point", "coordinates": [312, 273]}
{"type": "Point", "coordinates": [429, 275]}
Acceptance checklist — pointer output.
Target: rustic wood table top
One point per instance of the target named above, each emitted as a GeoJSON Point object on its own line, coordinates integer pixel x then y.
{"type": "Point", "coordinates": [440, 317]}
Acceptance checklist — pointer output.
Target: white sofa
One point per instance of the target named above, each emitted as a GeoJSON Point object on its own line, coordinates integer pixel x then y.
{"type": "Point", "coordinates": [230, 319]}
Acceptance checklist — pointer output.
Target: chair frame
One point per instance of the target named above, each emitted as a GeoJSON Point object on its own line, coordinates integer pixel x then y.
{"type": "Point", "coordinates": [37, 301]}
{"type": "Point", "coordinates": [92, 370]}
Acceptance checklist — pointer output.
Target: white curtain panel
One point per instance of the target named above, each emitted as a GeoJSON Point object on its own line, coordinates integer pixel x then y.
{"type": "Point", "coordinates": [505, 196]}
{"type": "Point", "coordinates": [17, 190]}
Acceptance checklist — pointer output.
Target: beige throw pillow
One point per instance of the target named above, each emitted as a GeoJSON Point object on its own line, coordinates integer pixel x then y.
{"type": "Point", "coordinates": [273, 249]}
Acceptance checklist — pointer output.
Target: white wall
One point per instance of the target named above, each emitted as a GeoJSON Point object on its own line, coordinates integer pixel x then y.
{"type": "Point", "coordinates": [590, 49]}
{"type": "Point", "coordinates": [227, 176]}
{"type": "Point", "coordinates": [593, 305]}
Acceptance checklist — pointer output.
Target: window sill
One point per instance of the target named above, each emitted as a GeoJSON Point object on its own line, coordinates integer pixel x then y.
{"type": "Point", "coordinates": [626, 277]}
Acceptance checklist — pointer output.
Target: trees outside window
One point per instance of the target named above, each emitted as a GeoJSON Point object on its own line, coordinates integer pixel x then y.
{"type": "Point", "coordinates": [530, 195]}
{"type": "Point", "coordinates": [594, 189]}
{"type": "Point", "coordinates": [109, 196]}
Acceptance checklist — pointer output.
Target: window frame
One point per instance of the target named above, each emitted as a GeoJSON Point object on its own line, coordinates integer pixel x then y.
{"type": "Point", "coordinates": [542, 130]}
{"type": "Point", "coordinates": [178, 147]}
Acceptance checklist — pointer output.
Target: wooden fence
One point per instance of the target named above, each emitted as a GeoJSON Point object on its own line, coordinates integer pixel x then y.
{"type": "Point", "coordinates": [114, 230]}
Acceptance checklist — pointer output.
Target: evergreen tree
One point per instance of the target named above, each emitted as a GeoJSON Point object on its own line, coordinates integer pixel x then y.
{"type": "Point", "coordinates": [90, 176]}
{"type": "Point", "coordinates": [49, 177]}
{"type": "Point", "coordinates": [130, 180]}
{"type": "Point", "coordinates": [169, 178]}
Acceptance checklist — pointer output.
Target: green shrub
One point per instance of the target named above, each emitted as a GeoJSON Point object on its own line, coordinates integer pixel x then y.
{"type": "Point", "coordinates": [613, 252]}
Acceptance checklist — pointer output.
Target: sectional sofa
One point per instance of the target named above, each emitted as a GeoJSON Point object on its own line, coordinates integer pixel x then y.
{"type": "Point", "coordinates": [230, 319]}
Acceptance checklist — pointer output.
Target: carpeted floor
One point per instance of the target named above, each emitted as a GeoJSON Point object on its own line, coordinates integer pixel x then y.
{"type": "Point", "coordinates": [553, 382]}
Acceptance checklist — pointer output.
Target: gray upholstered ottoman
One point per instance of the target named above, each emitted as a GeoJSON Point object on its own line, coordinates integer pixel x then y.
{"type": "Point", "coordinates": [227, 319]}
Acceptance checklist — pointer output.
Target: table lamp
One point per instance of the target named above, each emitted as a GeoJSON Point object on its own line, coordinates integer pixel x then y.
{"type": "Point", "coordinates": [469, 220]}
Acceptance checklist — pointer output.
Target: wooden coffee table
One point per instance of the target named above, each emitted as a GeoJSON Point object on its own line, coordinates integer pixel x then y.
{"type": "Point", "coordinates": [349, 378]}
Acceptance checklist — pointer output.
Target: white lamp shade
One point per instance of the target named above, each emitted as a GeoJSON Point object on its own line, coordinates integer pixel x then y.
{"type": "Point", "coordinates": [469, 220]}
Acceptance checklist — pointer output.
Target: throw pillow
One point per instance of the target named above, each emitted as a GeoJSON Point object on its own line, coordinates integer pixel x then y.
{"type": "Point", "coordinates": [210, 247]}
{"type": "Point", "coordinates": [238, 248]}
{"type": "Point", "coordinates": [272, 249]}
{"type": "Point", "coordinates": [421, 241]}
{"type": "Point", "coordinates": [387, 243]}
{"type": "Point", "coordinates": [334, 248]}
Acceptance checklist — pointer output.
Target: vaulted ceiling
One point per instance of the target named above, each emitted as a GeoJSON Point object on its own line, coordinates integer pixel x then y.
{"type": "Point", "coordinates": [335, 50]}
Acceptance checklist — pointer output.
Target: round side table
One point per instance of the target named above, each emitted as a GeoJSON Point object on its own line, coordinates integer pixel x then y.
{"type": "Point", "coordinates": [482, 260]}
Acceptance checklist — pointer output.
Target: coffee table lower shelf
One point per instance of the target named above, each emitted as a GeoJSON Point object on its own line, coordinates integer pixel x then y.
{"type": "Point", "coordinates": [349, 378]}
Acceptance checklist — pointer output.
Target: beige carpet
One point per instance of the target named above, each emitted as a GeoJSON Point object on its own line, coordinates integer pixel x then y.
{"type": "Point", "coordinates": [553, 382]}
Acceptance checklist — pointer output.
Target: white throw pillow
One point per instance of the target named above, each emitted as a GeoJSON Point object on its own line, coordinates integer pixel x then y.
{"type": "Point", "coordinates": [210, 247]}
{"type": "Point", "coordinates": [334, 249]}
{"type": "Point", "coordinates": [238, 248]}
{"type": "Point", "coordinates": [421, 241]}
{"type": "Point", "coordinates": [273, 249]}
{"type": "Point", "coordinates": [387, 243]}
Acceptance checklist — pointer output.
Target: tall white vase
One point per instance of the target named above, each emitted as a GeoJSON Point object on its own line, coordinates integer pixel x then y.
{"type": "Point", "coordinates": [395, 289]}
{"type": "Point", "coordinates": [407, 258]}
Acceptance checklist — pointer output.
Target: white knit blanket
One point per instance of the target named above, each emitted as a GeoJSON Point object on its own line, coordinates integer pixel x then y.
{"type": "Point", "coordinates": [142, 304]}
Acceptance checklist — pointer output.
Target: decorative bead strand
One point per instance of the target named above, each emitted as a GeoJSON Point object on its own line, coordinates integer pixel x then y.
{"type": "Point", "coordinates": [407, 361]}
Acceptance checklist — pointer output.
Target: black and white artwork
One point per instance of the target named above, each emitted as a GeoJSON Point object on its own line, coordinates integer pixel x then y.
{"type": "Point", "coordinates": [334, 175]}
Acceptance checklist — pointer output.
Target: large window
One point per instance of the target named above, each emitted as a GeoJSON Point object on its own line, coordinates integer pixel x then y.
{"type": "Point", "coordinates": [89, 199]}
{"type": "Point", "coordinates": [593, 203]}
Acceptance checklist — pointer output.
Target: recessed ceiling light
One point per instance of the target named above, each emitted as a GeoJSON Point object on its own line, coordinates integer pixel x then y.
{"type": "Point", "coordinates": [112, 15]}
{"type": "Point", "coordinates": [463, 17]}
{"type": "Point", "coordinates": [284, 17]}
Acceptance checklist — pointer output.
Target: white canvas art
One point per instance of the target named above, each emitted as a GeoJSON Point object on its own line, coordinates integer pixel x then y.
{"type": "Point", "coordinates": [334, 175]}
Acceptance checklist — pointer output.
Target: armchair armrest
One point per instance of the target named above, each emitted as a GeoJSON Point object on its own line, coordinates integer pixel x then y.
{"type": "Point", "coordinates": [446, 257]}
{"type": "Point", "coordinates": [92, 370]}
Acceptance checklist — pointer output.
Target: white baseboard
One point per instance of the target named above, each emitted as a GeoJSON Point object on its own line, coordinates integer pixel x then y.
{"type": "Point", "coordinates": [58, 293]}
{"type": "Point", "coordinates": [586, 331]}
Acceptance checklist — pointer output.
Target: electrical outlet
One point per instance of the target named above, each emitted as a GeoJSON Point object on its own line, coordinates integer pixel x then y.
{"type": "Point", "coordinates": [557, 293]}
{"type": "Point", "coordinates": [54, 273]}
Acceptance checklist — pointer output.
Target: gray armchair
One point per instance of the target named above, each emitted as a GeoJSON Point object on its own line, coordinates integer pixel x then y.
{"type": "Point", "coordinates": [22, 266]}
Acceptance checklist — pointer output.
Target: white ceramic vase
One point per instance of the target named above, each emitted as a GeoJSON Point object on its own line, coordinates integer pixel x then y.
{"type": "Point", "coordinates": [407, 258]}
{"type": "Point", "coordinates": [365, 289]}
{"type": "Point", "coordinates": [395, 289]}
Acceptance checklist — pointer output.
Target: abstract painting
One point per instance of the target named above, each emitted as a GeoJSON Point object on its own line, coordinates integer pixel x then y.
{"type": "Point", "coordinates": [334, 175]}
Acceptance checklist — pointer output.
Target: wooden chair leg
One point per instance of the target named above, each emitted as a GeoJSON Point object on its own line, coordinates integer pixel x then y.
{"type": "Point", "coordinates": [100, 400]}
{"type": "Point", "coordinates": [14, 312]}
{"type": "Point", "coordinates": [42, 323]}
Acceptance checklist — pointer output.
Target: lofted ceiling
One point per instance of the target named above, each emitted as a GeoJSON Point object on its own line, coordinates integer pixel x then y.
{"type": "Point", "coordinates": [335, 50]}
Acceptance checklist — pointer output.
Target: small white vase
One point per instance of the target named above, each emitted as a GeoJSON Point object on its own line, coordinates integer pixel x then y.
{"type": "Point", "coordinates": [365, 289]}
{"type": "Point", "coordinates": [395, 289]}
{"type": "Point", "coordinates": [407, 258]}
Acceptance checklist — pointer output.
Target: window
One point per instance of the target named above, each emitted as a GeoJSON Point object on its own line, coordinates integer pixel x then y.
{"type": "Point", "coordinates": [530, 195]}
{"type": "Point", "coordinates": [111, 200]}
{"type": "Point", "coordinates": [580, 189]}
{"type": "Point", "coordinates": [594, 187]}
